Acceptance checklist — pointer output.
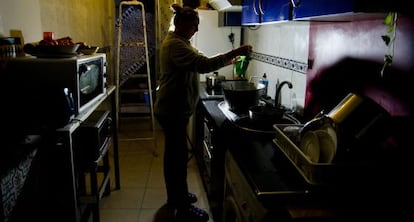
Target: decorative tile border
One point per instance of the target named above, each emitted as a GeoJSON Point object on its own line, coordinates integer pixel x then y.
{"type": "Point", "coordinates": [281, 62]}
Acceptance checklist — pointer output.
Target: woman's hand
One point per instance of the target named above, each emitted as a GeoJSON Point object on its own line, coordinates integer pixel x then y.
{"type": "Point", "coordinates": [244, 50]}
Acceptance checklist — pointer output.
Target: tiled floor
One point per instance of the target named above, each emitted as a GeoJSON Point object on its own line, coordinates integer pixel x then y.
{"type": "Point", "coordinates": [142, 195]}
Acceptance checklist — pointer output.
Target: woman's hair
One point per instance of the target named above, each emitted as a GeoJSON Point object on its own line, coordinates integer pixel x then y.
{"type": "Point", "coordinates": [184, 13]}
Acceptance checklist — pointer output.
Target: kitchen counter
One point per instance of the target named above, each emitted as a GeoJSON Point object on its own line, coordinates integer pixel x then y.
{"type": "Point", "coordinates": [260, 161]}
{"type": "Point", "coordinates": [257, 156]}
{"type": "Point", "coordinates": [273, 179]}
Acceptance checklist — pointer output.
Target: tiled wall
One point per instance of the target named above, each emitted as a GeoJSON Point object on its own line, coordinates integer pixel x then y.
{"type": "Point", "coordinates": [299, 51]}
{"type": "Point", "coordinates": [280, 51]}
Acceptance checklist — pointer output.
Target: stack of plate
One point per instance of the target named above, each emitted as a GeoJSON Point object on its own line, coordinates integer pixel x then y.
{"type": "Point", "coordinates": [319, 145]}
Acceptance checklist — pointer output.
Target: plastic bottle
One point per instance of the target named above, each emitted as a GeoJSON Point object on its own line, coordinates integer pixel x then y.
{"type": "Point", "coordinates": [265, 82]}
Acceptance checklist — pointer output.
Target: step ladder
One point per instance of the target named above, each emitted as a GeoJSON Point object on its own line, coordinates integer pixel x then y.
{"type": "Point", "coordinates": [133, 77]}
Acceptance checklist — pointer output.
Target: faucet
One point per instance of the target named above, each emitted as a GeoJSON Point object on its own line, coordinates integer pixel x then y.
{"type": "Point", "coordinates": [278, 92]}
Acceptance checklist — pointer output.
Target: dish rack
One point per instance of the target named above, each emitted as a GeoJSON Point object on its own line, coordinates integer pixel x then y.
{"type": "Point", "coordinates": [313, 173]}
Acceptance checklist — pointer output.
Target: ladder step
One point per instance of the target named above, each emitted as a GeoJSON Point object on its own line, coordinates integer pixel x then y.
{"type": "Point", "coordinates": [137, 59]}
{"type": "Point", "coordinates": [134, 108]}
{"type": "Point", "coordinates": [131, 44]}
{"type": "Point", "coordinates": [132, 91]}
{"type": "Point", "coordinates": [136, 76]}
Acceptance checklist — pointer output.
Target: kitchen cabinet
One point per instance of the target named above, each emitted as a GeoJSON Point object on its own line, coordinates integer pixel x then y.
{"type": "Point", "coordinates": [250, 13]}
{"type": "Point", "coordinates": [275, 11]}
{"type": "Point", "coordinates": [343, 10]}
{"type": "Point", "coordinates": [209, 152]}
{"type": "Point", "coordinates": [229, 19]}
{"type": "Point", "coordinates": [255, 12]}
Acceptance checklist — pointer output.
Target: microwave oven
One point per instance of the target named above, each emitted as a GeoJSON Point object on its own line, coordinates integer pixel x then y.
{"type": "Point", "coordinates": [47, 93]}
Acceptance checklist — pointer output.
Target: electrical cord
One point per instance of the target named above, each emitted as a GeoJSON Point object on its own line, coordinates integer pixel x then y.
{"type": "Point", "coordinates": [231, 38]}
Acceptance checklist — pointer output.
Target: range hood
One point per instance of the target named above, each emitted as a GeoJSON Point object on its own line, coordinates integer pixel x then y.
{"type": "Point", "coordinates": [226, 5]}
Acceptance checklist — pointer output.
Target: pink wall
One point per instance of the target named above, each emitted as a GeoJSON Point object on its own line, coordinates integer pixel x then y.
{"type": "Point", "coordinates": [347, 57]}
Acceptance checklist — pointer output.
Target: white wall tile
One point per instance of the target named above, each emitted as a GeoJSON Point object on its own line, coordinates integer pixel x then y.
{"type": "Point", "coordinates": [285, 40]}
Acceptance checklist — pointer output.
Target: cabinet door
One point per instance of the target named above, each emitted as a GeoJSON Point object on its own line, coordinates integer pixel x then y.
{"type": "Point", "coordinates": [274, 10]}
{"type": "Point", "coordinates": [312, 8]}
{"type": "Point", "coordinates": [250, 12]}
{"type": "Point", "coordinates": [256, 12]}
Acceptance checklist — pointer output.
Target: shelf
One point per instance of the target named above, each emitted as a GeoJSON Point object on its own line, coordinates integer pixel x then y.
{"type": "Point", "coordinates": [77, 120]}
{"type": "Point", "coordinates": [71, 165]}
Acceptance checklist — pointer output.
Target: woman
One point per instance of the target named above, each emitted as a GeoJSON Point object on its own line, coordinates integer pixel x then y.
{"type": "Point", "coordinates": [176, 100]}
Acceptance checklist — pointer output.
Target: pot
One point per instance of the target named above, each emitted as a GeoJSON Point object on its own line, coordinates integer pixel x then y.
{"type": "Point", "coordinates": [214, 80]}
{"type": "Point", "coordinates": [241, 95]}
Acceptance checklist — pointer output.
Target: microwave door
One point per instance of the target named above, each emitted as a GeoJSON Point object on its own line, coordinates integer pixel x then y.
{"type": "Point", "coordinates": [90, 83]}
{"type": "Point", "coordinates": [89, 79]}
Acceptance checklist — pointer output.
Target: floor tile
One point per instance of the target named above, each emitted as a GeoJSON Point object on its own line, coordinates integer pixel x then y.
{"type": "Point", "coordinates": [162, 214]}
{"type": "Point", "coordinates": [154, 198]}
{"type": "Point", "coordinates": [124, 215]}
{"type": "Point", "coordinates": [123, 199]}
{"type": "Point", "coordinates": [142, 196]}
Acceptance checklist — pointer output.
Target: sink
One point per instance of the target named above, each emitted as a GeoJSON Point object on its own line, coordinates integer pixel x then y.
{"type": "Point", "coordinates": [247, 124]}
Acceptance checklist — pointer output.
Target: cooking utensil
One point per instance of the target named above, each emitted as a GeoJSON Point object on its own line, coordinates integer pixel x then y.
{"type": "Point", "coordinates": [241, 95]}
{"type": "Point", "coordinates": [214, 80]}
{"type": "Point", "coordinates": [336, 115]}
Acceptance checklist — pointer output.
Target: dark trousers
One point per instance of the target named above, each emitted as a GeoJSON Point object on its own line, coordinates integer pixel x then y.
{"type": "Point", "coordinates": [175, 159]}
